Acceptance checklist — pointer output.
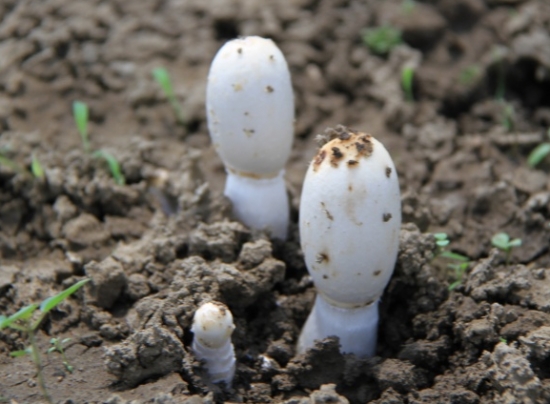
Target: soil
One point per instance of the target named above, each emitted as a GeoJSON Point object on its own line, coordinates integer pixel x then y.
{"type": "Point", "coordinates": [160, 245]}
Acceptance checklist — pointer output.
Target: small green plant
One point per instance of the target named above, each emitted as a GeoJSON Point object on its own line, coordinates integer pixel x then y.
{"type": "Point", "coordinates": [459, 263]}
{"type": "Point", "coordinates": [36, 168]}
{"type": "Point", "coordinates": [58, 346]}
{"type": "Point", "coordinates": [469, 75]}
{"type": "Point", "coordinates": [539, 153]}
{"type": "Point", "coordinates": [114, 166]}
{"type": "Point", "coordinates": [503, 242]}
{"type": "Point", "coordinates": [382, 40]}
{"type": "Point", "coordinates": [407, 78]}
{"type": "Point", "coordinates": [503, 340]}
{"type": "Point", "coordinates": [28, 319]}
{"type": "Point", "coordinates": [80, 112]}
{"type": "Point", "coordinates": [160, 74]}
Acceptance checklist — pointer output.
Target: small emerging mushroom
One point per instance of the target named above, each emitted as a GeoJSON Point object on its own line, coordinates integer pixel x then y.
{"type": "Point", "coordinates": [212, 327]}
{"type": "Point", "coordinates": [350, 216]}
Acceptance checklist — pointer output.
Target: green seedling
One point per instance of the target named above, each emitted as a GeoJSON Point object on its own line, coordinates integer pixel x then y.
{"type": "Point", "coordinates": [28, 320]}
{"type": "Point", "coordinates": [539, 153]}
{"type": "Point", "coordinates": [459, 264]}
{"type": "Point", "coordinates": [382, 40]}
{"type": "Point", "coordinates": [503, 242]}
{"type": "Point", "coordinates": [36, 168]}
{"type": "Point", "coordinates": [469, 75]}
{"type": "Point", "coordinates": [407, 78]}
{"type": "Point", "coordinates": [503, 340]}
{"type": "Point", "coordinates": [57, 346]}
{"type": "Point", "coordinates": [80, 112]}
{"type": "Point", "coordinates": [160, 74]}
{"type": "Point", "coordinates": [114, 166]}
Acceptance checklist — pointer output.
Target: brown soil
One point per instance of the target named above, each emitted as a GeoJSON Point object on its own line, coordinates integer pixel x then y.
{"type": "Point", "coordinates": [156, 249]}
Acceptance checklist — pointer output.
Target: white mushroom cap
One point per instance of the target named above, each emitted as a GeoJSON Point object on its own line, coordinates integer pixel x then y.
{"type": "Point", "coordinates": [350, 216]}
{"type": "Point", "coordinates": [213, 324]}
{"type": "Point", "coordinates": [250, 106]}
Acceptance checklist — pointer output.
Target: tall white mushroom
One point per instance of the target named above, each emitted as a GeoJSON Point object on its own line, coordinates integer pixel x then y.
{"type": "Point", "coordinates": [250, 112]}
{"type": "Point", "coordinates": [350, 216]}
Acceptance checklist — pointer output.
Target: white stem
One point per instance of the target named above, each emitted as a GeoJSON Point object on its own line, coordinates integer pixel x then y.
{"type": "Point", "coordinates": [220, 362]}
{"type": "Point", "coordinates": [357, 327]}
{"type": "Point", "coordinates": [260, 203]}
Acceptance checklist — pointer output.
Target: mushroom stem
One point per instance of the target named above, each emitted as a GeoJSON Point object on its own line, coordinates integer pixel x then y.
{"type": "Point", "coordinates": [220, 361]}
{"type": "Point", "coordinates": [357, 327]}
{"type": "Point", "coordinates": [260, 203]}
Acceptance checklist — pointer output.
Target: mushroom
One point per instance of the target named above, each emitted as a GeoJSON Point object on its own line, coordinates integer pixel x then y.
{"type": "Point", "coordinates": [350, 216]}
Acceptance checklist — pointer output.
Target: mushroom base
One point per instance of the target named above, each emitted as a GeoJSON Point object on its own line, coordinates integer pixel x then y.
{"type": "Point", "coordinates": [260, 203]}
{"type": "Point", "coordinates": [220, 362]}
{"type": "Point", "coordinates": [357, 328]}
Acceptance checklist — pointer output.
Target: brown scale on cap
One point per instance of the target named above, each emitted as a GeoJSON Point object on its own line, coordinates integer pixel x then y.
{"type": "Point", "coordinates": [343, 144]}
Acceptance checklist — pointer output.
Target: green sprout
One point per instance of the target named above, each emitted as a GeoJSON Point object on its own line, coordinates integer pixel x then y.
{"type": "Point", "coordinates": [503, 340]}
{"type": "Point", "coordinates": [27, 320]}
{"type": "Point", "coordinates": [382, 40]}
{"type": "Point", "coordinates": [539, 153]}
{"type": "Point", "coordinates": [407, 77]}
{"type": "Point", "coordinates": [36, 168]}
{"type": "Point", "coordinates": [57, 346]}
{"type": "Point", "coordinates": [80, 112]}
{"type": "Point", "coordinates": [114, 166]}
{"type": "Point", "coordinates": [459, 264]}
{"type": "Point", "coordinates": [503, 242]}
{"type": "Point", "coordinates": [160, 74]}
{"type": "Point", "coordinates": [469, 74]}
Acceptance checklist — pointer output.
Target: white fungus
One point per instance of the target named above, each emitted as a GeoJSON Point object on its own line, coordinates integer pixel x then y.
{"type": "Point", "coordinates": [250, 113]}
{"type": "Point", "coordinates": [212, 328]}
{"type": "Point", "coordinates": [350, 215]}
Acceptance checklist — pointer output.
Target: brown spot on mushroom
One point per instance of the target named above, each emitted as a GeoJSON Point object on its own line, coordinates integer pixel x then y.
{"type": "Point", "coordinates": [240, 51]}
{"type": "Point", "coordinates": [249, 132]}
{"type": "Point", "coordinates": [319, 159]}
{"type": "Point", "coordinates": [271, 57]}
{"type": "Point", "coordinates": [237, 86]}
{"type": "Point", "coordinates": [377, 272]}
{"type": "Point", "coordinates": [350, 187]}
{"type": "Point", "coordinates": [322, 257]}
{"type": "Point", "coordinates": [325, 276]}
{"type": "Point", "coordinates": [269, 89]}
{"type": "Point", "coordinates": [386, 217]}
{"type": "Point", "coordinates": [388, 172]}
{"type": "Point", "coordinates": [246, 113]}
{"type": "Point", "coordinates": [329, 216]}
{"type": "Point", "coordinates": [336, 155]}
{"type": "Point", "coordinates": [352, 163]}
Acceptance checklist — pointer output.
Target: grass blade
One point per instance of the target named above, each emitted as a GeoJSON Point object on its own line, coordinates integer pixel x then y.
{"type": "Point", "coordinates": [80, 112]}
{"type": "Point", "coordinates": [23, 314]}
{"type": "Point", "coordinates": [53, 301]}
{"type": "Point", "coordinates": [114, 166]}
{"type": "Point", "coordinates": [538, 154]}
